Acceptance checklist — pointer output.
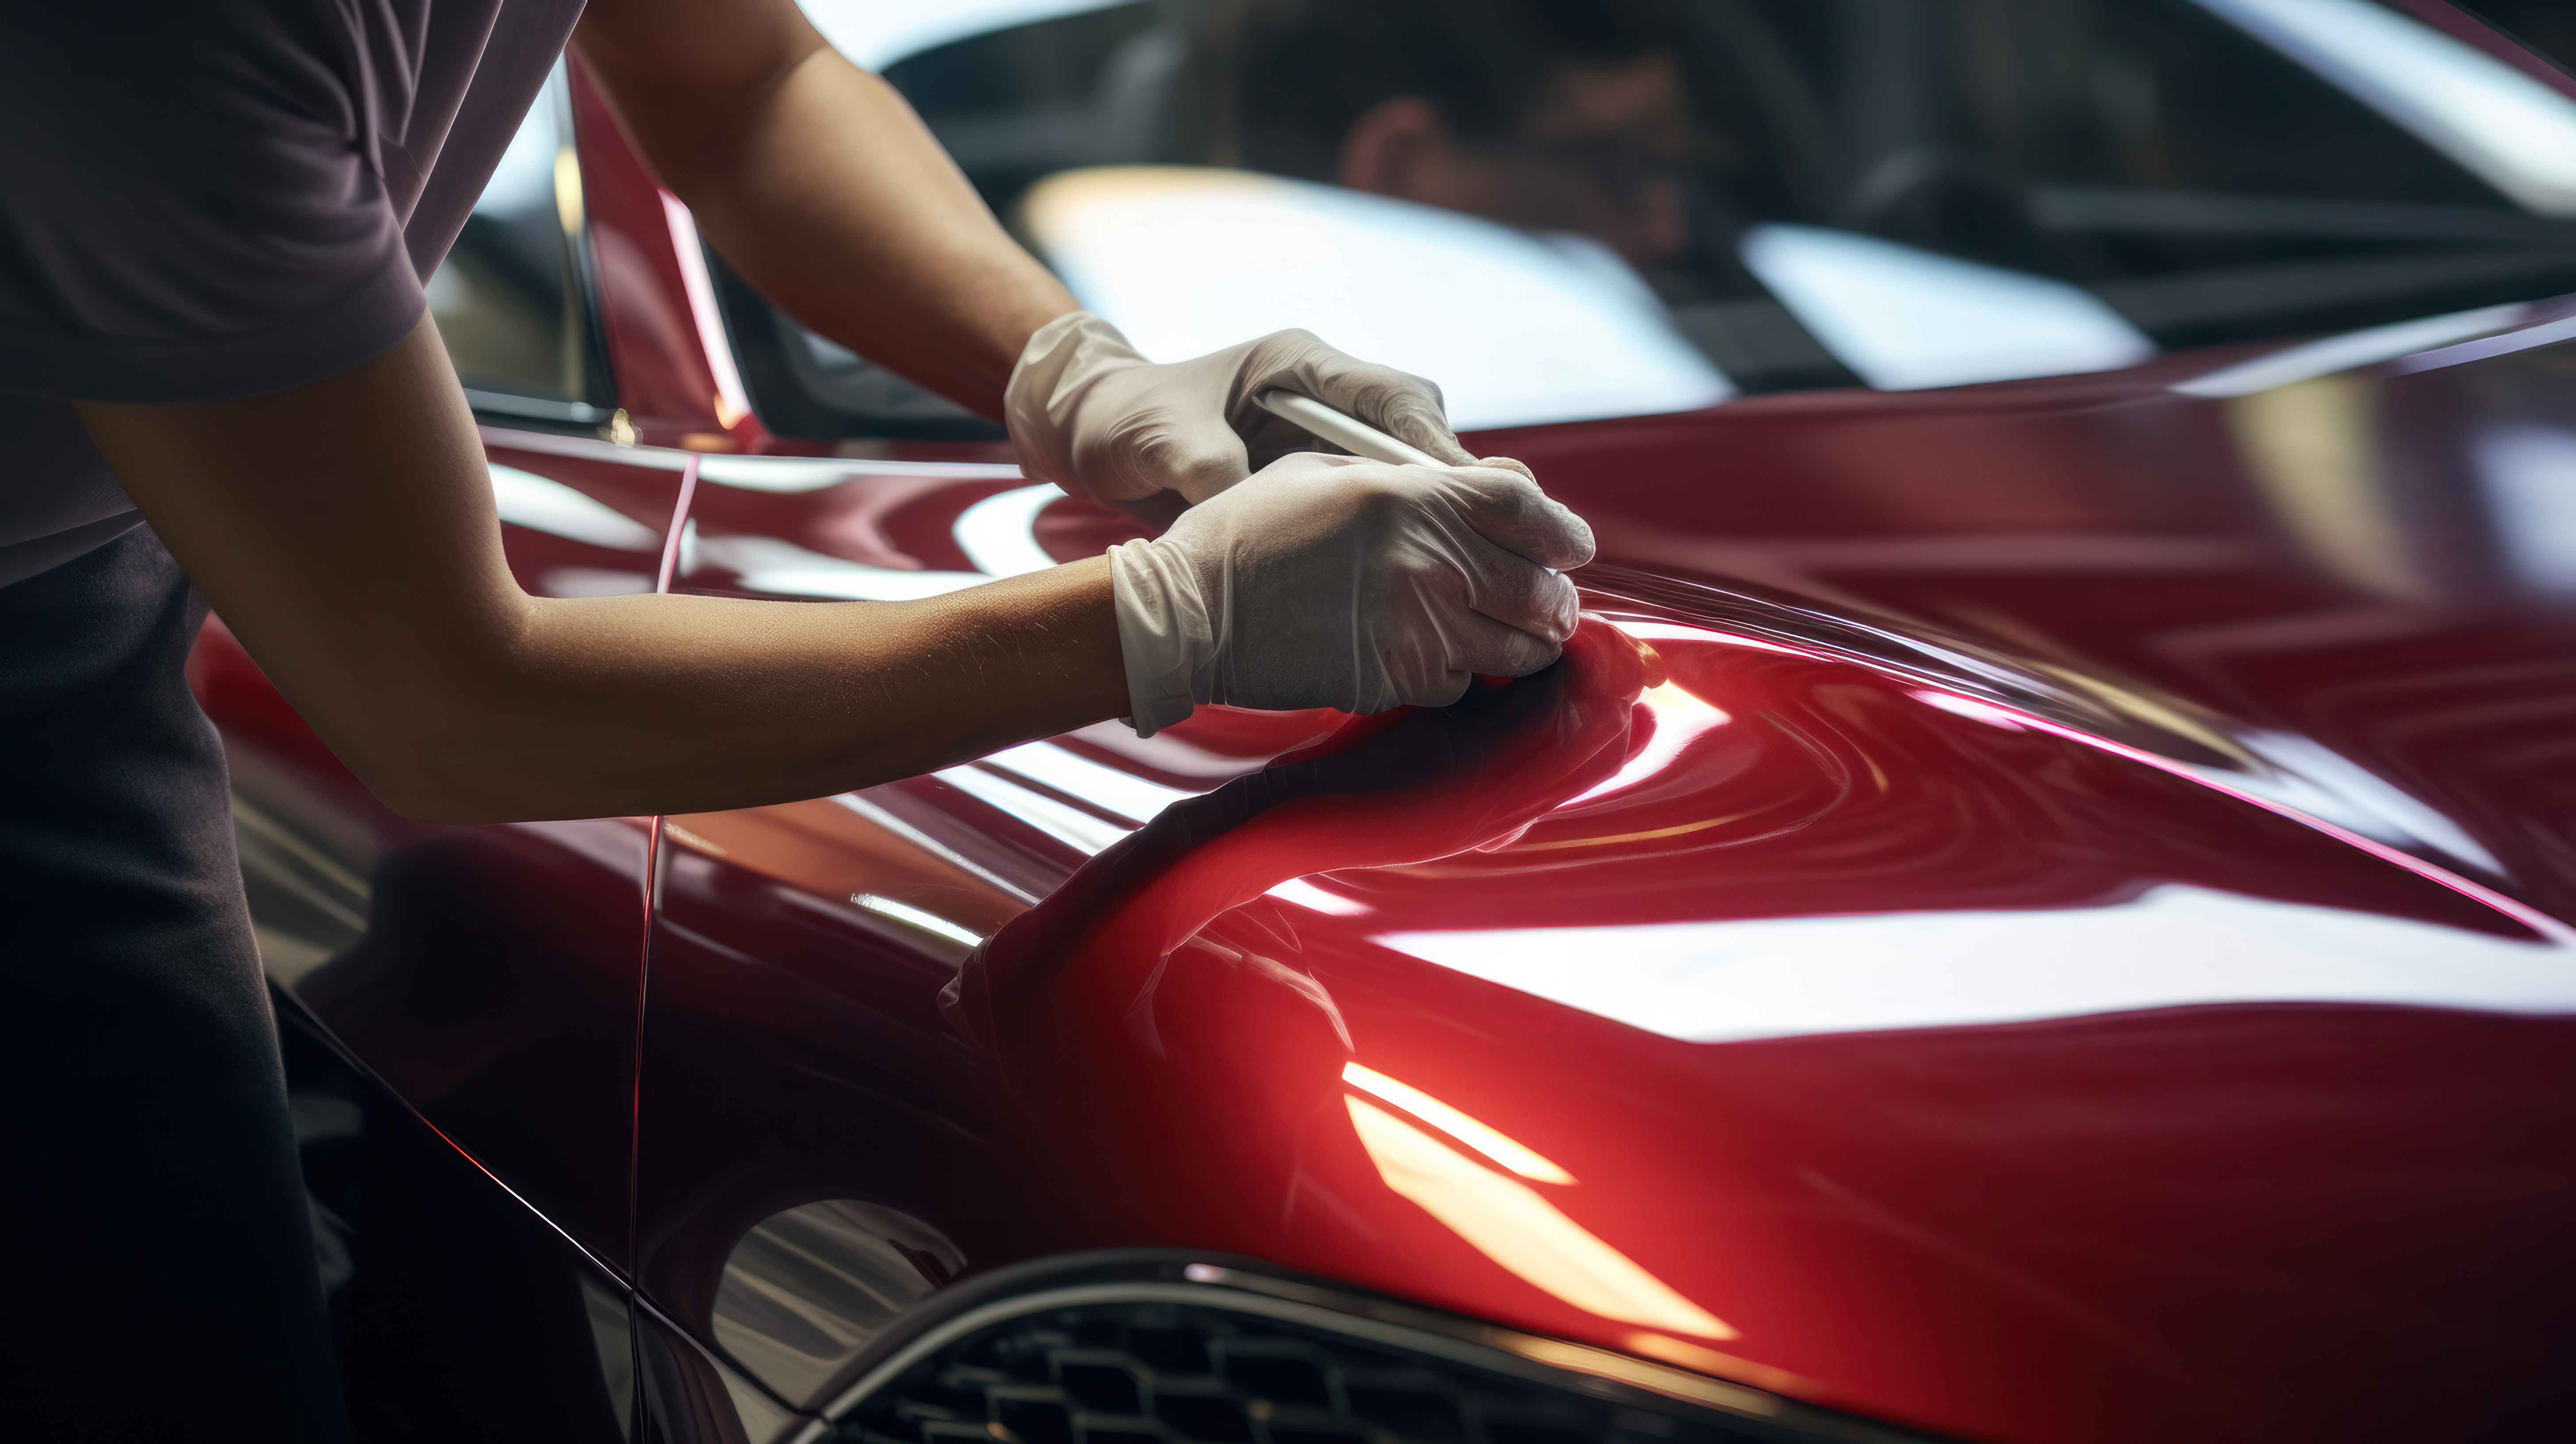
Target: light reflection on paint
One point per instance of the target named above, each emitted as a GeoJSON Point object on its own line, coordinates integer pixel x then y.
{"type": "Point", "coordinates": [931, 846]}
{"type": "Point", "coordinates": [999, 533]}
{"type": "Point", "coordinates": [1107, 788]}
{"type": "Point", "coordinates": [1491, 1142]}
{"type": "Point", "coordinates": [1507, 1221]}
{"type": "Point", "coordinates": [1970, 708]}
{"type": "Point", "coordinates": [767, 564]}
{"type": "Point", "coordinates": [2294, 775]}
{"type": "Point", "coordinates": [928, 922]}
{"type": "Point", "coordinates": [1062, 821]}
{"type": "Point", "coordinates": [2252, 791]}
{"type": "Point", "coordinates": [538, 503]}
{"type": "Point", "coordinates": [1306, 895]}
{"type": "Point", "coordinates": [796, 475]}
{"type": "Point", "coordinates": [2176, 946]}
{"type": "Point", "coordinates": [1680, 719]}
{"type": "Point", "coordinates": [998, 780]}
{"type": "Point", "coordinates": [2350, 350]}
{"type": "Point", "coordinates": [1645, 631]}
{"type": "Point", "coordinates": [2302, 773]}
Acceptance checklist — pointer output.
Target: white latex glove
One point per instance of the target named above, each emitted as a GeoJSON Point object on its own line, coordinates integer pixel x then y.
{"type": "Point", "coordinates": [1329, 581]}
{"type": "Point", "coordinates": [1095, 418]}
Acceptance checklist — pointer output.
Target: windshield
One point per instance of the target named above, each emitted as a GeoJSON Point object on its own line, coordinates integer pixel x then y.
{"type": "Point", "coordinates": [1566, 208]}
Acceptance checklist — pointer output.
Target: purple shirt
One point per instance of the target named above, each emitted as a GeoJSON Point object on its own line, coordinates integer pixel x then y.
{"type": "Point", "coordinates": [209, 199]}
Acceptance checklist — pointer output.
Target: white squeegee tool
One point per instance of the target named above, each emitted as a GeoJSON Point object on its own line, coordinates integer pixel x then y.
{"type": "Point", "coordinates": [1349, 433]}
{"type": "Point", "coordinates": [1354, 436]}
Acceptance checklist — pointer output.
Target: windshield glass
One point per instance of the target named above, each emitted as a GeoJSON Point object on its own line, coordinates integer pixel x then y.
{"type": "Point", "coordinates": [1566, 208]}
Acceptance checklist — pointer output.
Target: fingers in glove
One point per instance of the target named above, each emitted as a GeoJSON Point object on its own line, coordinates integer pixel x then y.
{"type": "Point", "coordinates": [1403, 405]}
{"type": "Point", "coordinates": [1482, 646]}
{"type": "Point", "coordinates": [1157, 449]}
{"type": "Point", "coordinates": [1519, 595]}
{"type": "Point", "coordinates": [1508, 509]}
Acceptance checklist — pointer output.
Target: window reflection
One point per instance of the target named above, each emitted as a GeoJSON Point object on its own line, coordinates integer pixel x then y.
{"type": "Point", "coordinates": [511, 297]}
{"type": "Point", "coordinates": [2092, 180]}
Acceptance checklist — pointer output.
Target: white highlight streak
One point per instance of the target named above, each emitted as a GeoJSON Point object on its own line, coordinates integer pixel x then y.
{"type": "Point", "coordinates": [999, 533]}
{"type": "Point", "coordinates": [1314, 899]}
{"type": "Point", "coordinates": [526, 499]}
{"type": "Point", "coordinates": [2511, 129]}
{"type": "Point", "coordinates": [1069, 825]}
{"type": "Point", "coordinates": [2354, 348]}
{"type": "Point", "coordinates": [767, 564]}
{"type": "Point", "coordinates": [907, 913]}
{"type": "Point", "coordinates": [1510, 1152]}
{"type": "Point", "coordinates": [2175, 946]}
{"type": "Point", "coordinates": [1068, 772]}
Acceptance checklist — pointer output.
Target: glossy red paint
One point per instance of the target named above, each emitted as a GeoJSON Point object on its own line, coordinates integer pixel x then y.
{"type": "Point", "coordinates": [2236, 1219]}
{"type": "Point", "coordinates": [1954, 660]}
{"type": "Point", "coordinates": [665, 380]}
{"type": "Point", "coordinates": [2124, 539]}
{"type": "Point", "coordinates": [2016, 1195]}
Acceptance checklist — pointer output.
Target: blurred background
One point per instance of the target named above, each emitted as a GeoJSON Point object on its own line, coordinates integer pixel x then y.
{"type": "Point", "coordinates": [1566, 209]}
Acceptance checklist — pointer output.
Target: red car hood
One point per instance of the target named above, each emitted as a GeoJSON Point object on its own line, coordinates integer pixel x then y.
{"type": "Point", "coordinates": [2037, 949]}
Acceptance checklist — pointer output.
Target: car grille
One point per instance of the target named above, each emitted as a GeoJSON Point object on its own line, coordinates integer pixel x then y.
{"type": "Point", "coordinates": [1162, 1373]}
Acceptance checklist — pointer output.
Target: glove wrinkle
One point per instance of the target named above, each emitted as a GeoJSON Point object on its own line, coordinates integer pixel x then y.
{"type": "Point", "coordinates": [1165, 635]}
{"type": "Point", "coordinates": [1320, 580]}
{"type": "Point", "coordinates": [1328, 581]}
{"type": "Point", "coordinates": [1092, 415]}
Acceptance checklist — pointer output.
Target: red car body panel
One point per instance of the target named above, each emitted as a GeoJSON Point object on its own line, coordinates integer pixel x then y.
{"type": "Point", "coordinates": [1981, 653]}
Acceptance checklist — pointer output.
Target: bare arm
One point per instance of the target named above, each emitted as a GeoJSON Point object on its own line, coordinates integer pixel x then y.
{"type": "Point", "coordinates": [346, 532]}
{"type": "Point", "coordinates": [817, 181]}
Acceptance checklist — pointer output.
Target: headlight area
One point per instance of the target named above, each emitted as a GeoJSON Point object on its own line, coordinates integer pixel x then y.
{"type": "Point", "coordinates": [1168, 1348]}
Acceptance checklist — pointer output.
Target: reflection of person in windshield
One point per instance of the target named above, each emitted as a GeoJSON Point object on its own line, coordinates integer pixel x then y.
{"type": "Point", "coordinates": [1565, 115]}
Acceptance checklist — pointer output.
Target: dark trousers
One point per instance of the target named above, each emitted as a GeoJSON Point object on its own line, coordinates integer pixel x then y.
{"type": "Point", "coordinates": [158, 1255]}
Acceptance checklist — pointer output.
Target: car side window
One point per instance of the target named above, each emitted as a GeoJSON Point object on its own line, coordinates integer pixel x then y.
{"type": "Point", "coordinates": [1569, 209]}
{"type": "Point", "coordinates": [513, 299]}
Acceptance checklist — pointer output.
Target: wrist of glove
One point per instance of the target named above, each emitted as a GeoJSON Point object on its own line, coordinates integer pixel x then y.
{"type": "Point", "coordinates": [1328, 581]}
{"type": "Point", "coordinates": [1091, 415]}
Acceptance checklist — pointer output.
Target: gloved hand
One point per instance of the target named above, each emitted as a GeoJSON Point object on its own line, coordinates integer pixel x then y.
{"type": "Point", "coordinates": [1095, 418]}
{"type": "Point", "coordinates": [1329, 581]}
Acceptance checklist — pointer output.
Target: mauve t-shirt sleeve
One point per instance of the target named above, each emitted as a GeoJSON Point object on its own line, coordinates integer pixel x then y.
{"type": "Point", "coordinates": [188, 207]}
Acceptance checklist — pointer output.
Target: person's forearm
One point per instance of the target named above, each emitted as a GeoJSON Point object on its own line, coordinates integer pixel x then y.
{"type": "Point", "coordinates": [346, 532]}
{"type": "Point", "coordinates": [817, 181]}
{"type": "Point", "coordinates": [640, 704]}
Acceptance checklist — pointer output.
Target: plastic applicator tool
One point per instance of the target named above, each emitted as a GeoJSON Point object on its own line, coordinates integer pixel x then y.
{"type": "Point", "coordinates": [1354, 436]}
{"type": "Point", "coordinates": [1349, 433]}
